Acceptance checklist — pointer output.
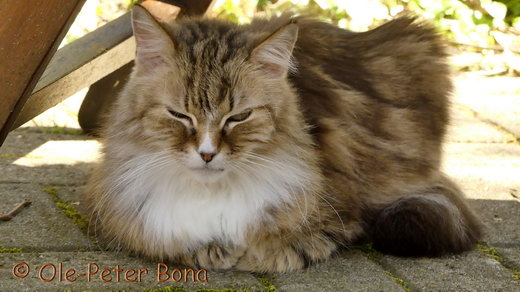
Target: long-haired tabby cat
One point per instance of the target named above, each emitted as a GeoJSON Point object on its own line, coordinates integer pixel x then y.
{"type": "Point", "coordinates": [269, 146]}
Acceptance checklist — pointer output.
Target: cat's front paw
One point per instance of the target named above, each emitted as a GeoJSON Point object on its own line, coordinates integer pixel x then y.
{"type": "Point", "coordinates": [280, 260]}
{"type": "Point", "coordinates": [215, 257]}
{"type": "Point", "coordinates": [273, 256]}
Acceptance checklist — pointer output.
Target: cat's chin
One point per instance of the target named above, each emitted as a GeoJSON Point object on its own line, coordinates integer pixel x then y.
{"type": "Point", "coordinates": [207, 175]}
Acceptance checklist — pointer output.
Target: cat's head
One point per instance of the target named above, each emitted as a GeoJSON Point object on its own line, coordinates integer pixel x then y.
{"type": "Point", "coordinates": [212, 92]}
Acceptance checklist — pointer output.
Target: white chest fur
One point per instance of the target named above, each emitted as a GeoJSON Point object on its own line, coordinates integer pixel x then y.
{"type": "Point", "coordinates": [172, 206]}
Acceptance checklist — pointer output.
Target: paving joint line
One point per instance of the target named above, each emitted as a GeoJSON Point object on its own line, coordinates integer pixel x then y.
{"type": "Point", "coordinates": [78, 219]}
{"type": "Point", "coordinates": [266, 282]}
{"type": "Point", "coordinates": [39, 184]}
{"type": "Point", "coordinates": [70, 211]}
{"type": "Point", "coordinates": [514, 138]}
{"type": "Point", "coordinates": [491, 252]}
{"type": "Point", "coordinates": [478, 142]}
{"type": "Point", "coordinates": [34, 250]}
{"type": "Point", "coordinates": [10, 249]}
{"type": "Point", "coordinates": [373, 255]}
{"type": "Point", "coordinates": [180, 289]}
{"type": "Point", "coordinates": [56, 130]}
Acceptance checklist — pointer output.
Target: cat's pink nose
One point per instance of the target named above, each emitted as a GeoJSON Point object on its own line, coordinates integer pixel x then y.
{"type": "Point", "coordinates": [207, 156]}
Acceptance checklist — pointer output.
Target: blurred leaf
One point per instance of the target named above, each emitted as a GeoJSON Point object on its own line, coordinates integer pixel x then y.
{"type": "Point", "coordinates": [261, 4]}
{"type": "Point", "coordinates": [496, 9]}
{"type": "Point", "coordinates": [471, 22]}
{"type": "Point", "coordinates": [516, 23]}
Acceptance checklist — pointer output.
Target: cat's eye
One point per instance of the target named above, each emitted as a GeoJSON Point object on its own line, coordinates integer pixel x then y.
{"type": "Point", "coordinates": [240, 117]}
{"type": "Point", "coordinates": [179, 115]}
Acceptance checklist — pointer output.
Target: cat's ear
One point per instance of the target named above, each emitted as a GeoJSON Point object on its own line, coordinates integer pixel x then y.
{"type": "Point", "coordinates": [154, 48]}
{"type": "Point", "coordinates": [274, 54]}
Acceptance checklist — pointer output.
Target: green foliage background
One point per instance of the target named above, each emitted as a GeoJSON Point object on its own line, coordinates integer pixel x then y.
{"type": "Point", "coordinates": [485, 33]}
{"type": "Point", "coordinates": [489, 29]}
{"type": "Point", "coordinates": [470, 21]}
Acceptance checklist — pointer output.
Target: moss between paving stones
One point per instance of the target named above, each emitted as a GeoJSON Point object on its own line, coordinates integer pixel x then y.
{"type": "Point", "coordinates": [10, 250]}
{"type": "Point", "coordinates": [177, 289]}
{"type": "Point", "coordinates": [13, 156]}
{"type": "Point", "coordinates": [53, 131]}
{"type": "Point", "coordinates": [268, 286]}
{"type": "Point", "coordinates": [69, 211]}
{"type": "Point", "coordinates": [493, 253]}
{"type": "Point", "coordinates": [398, 280]}
{"type": "Point", "coordinates": [369, 251]}
{"type": "Point", "coordinates": [7, 155]}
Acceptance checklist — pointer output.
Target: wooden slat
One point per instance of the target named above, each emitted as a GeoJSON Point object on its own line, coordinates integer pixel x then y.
{"type": "Point", "coordinates": [29, 37]}
{"type": "Point", "coordinates": [80, 64]}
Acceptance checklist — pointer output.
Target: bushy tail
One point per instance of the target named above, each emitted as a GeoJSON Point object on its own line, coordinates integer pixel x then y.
{"type": "Point", "coordinates": [433, 223]}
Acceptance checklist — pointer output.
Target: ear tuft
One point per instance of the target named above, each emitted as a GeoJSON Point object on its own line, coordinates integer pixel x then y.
{"type": "Point", "coordinates": [274, 54]}
{"type": "Point", "coordinates": [154, 47]}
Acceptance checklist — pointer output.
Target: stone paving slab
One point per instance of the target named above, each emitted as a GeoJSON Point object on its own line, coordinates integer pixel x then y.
{"type": "Point", "coordinates": [501, 218]}
{"type": "Point", "coordinates": [50, 175]}
{"type": "Point", "coordinates": [488, 165]}
{"type": "Point", "coordinates": [351, 271]}
{"type": "Point", "coordinates": [472, 271]}
{"type": "Point", "coordinates": [41, 226]}
{"type": "Point", "coordinates": [482, 154]}
{"type": "Point", "coordinates": [31, 157]}
{"type": "Point", "coordinates": [466, 128]}
{"type": "Point", "coordinates": [489, 174]}
{"type": "Point", "coordinates": [21, 142]}
{"type": "Point", "coordinates": [496, 99]}
{"type": "Point", "coordinates": [108, 260]}
{"type": "Point", "coordinates": [484, 171]}
{"type": "Point", "coordinates": [73, 196]}
{"type": "Point", "coordinates": [502, 228]}
{"type": "Point", "coordinates": [511, 256]}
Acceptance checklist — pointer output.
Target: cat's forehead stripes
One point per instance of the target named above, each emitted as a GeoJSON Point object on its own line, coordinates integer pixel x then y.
{"type": "Point", "coordinates": [207, 95]}
{"type": "Point", "coordinates": [207, 50]}
{"type": "Point", "coordinates": [216, 41]}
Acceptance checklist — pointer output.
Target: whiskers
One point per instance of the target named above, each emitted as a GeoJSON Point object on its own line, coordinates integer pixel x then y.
{"type": "Point", "coordinates": [293, 179]}
{"type": "Point", "coordinates": [297, 180]}
{"type": "Point", "coordinates": [134, 175]}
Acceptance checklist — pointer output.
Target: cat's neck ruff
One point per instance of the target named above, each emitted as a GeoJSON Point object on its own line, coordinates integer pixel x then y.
{"type": "Point", "coordinates": [171, 205]}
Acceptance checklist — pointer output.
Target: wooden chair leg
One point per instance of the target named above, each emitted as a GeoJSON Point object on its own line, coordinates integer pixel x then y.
{"type": "Point", "coordinates": [29, 37]}
{"type": "Point", "coordinates": [103, 93]}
